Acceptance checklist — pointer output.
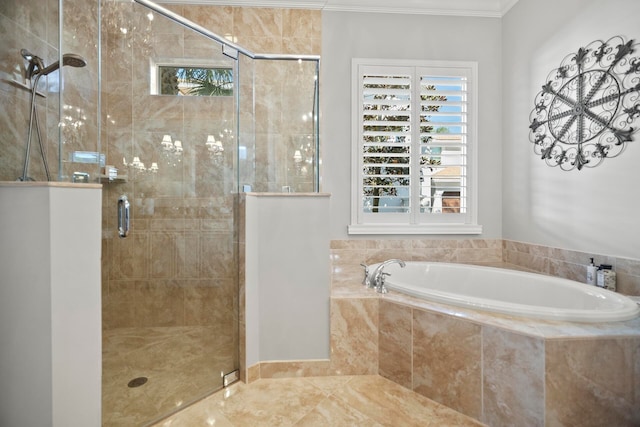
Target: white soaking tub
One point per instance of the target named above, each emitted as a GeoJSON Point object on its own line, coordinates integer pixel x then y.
{"type": "Point", "coordinates": [509, 292]}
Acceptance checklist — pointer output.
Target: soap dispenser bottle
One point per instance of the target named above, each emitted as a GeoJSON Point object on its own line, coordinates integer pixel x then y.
{"type": "Point", "coordinates": [591, 273]}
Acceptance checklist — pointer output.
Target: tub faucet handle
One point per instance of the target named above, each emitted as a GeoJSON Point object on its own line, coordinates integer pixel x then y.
{"type": "Point", "coordinates": [380, 287]}
{"type": "Point", "coordinates": [366, 280]}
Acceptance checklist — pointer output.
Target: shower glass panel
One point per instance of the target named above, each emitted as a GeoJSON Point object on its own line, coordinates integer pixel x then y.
{"type": "Point", "coordinates": [284, 157]}
{"type": "Point", "coordinates": [79, 153]}
{"type": "Point", "coordinates": [170, 289]}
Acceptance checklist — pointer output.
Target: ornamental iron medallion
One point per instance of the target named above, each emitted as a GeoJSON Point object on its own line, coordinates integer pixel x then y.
{"type": "Point", "coordinates": [586, 108]}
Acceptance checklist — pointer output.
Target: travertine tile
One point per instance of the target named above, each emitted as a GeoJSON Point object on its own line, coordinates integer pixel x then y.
{"type": "Point", "coordinates": [395, 343]}
{"type": "Point", "coordinates": [592, 382]}
{"type": "Point", "coordinates": [447, 361]}
{"type": "Point", "coordinates": [513, 378]}
{"type": "Point", "coordinates": [387, 403]}
{"type": "Point", "coordinates": [192, 371]}
{"type": "Point", "coordinates": [354, 336]}
{"type": "Point", "coordinates": [305, 368]}
{"type": "Point", "coordinates": [334, 412]}
{"type": "Point", "coordinates": [318, 401]}
{"type": "Point", "coordinates": [330, 384]}
{"type": "Point", "coordinates": [255, 405]}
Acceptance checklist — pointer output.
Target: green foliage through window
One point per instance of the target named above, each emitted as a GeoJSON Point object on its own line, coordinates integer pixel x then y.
{"type": "Point", "coordinates": [195, 81]}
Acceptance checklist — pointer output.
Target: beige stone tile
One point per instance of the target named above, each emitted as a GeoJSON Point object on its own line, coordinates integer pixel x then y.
{"type": "Point", "coordinates": [387, 403]}
{"type": "Point", "coordinates": [211, 305]}
{"type": "Point", "coordinates": [130, 257]}
{"type": "Point", "coordinates": [419, 244]}
{"type": "Point", "coordinates": [334, 412]}
{"type": "Point", "coordinates": [628, 284]}
{"type": "Point", "coordinates": [352, 244]}
{"type": "Point", "coordinates": [482, 254]}
{"type": "Point", "coordinates": [628, 266]}
{"type": "Point", "coordinates": [592, 382]}
{"type": "Point", "coordinates": [444, 254]}
{"type": "Point", "coordinates": [159, 303]}
{"type": "Point", "coordinates": [163, 255]}
{"type": "Point", "coordinates": [253, 373]}
{"type": "Point", "coordinates": [513, 378]}
{"type": "Point", "coordinates": [329, 384]}
{"type": "Point", "coordinates": [205, 412]}
{"type": "Point", "coordinates": [304, 368]}
{"type": "Point", "coordinates": [255, 405]}
{"type": "Point", "coordinates": [567, 270]}
{"type": "Point", "coordinates": [196, 416]}
{"type": "Point", "coordinates": [351, 288]}
{"type": "Point", "coordinates": [395, 343]}
{"type": "Point", "coordinates": [354, 336]}
{"type": "Point", "coordinates": [447, 361]}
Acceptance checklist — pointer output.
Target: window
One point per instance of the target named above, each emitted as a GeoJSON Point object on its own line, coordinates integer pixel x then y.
{"type": "Point", "coordinates": [195, 81]}
{"type": "Point", "coordinates": [198, 77]}
{"type": "Point", "coordinates": [414, 148]}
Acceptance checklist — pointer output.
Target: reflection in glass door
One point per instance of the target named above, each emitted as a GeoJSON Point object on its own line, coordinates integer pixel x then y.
{"type": "Point", "coordinates": [170, 288]}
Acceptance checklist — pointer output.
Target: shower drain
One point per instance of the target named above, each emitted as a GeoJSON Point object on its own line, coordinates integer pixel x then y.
{"type": "Point", "coordinates": [137, 382]}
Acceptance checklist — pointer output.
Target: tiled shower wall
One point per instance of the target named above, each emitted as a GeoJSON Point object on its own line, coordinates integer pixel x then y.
{"type": "Point", "coordinates": [179, 264]}
{"type": "Point", "coordinates": [33, 25]}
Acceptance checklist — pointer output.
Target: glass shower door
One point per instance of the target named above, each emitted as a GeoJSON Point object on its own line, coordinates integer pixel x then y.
{"type": "Point", "coordinates": [170, 289]}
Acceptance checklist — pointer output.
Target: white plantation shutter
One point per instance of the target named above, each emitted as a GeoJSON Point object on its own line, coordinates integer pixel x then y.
{"type": "Point", "coordinates": [386, 142]}
{"type": "Point", "coordinates": [413, 151]}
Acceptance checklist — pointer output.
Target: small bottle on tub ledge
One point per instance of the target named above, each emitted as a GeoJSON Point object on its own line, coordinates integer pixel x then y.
{"type": "Point", "coordinates": [591, 273]}
{"type": "Point", "coordinates": [606, 277]}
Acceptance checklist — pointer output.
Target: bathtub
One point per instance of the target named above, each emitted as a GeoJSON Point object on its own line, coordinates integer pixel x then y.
{"type": "Point", "coordinates": [510, 292]}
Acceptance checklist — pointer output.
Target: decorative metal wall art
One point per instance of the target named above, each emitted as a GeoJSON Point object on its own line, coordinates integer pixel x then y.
{"type": "Point", "coordinates": [587, 106]}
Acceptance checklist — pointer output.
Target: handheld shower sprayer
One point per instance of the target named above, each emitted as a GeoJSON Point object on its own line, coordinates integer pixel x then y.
{"type": "Point", "coordinates": [35, 63]}
{"type": "Point", "coordinates": [36, 66]}
{"type": "Point", "coordinates": [35, 70]}
{"type": "Point", "coordinates": [70, 59]}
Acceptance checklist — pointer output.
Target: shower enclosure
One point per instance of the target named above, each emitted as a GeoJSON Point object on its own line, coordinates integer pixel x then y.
{"type": "Point", "coordinates": [189, 120]}
{"type": "Point", "coordinates": [176, 115]}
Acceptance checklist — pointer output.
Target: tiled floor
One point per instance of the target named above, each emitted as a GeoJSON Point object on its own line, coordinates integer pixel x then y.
{"type": "Point", "coordinates": [318, 401]}
{"type": "Point", "coordinates": [181, 364]}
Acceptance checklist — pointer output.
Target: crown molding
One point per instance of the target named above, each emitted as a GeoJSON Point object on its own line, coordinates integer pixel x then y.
{"type": "Point", "coordinates": [481, 8]}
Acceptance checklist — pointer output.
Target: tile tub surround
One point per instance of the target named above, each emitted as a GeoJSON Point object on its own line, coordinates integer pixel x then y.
{"type": "Point", "coordinates": [346, 256]}
{"type": "Point", "coordinates": [499, 369]}
{"type": "Point", "coordinates": [571, 264]}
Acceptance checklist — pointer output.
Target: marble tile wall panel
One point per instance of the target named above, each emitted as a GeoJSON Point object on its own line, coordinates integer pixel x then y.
{"type": "Point", "coordinates": [346, 256]}
{"type": "Point", "coordinates": [395, 343]}
{"type": "Point", "coordinates": [354, 336]}
{"type": "Point", "coordinates": [513, 378]}
{"type": "Point", "coordinates": [447, 361]}
{"type": "Point", "coordinates": [571, 264]}
{"type": "Point", "coordinates": [290, 369]}
{"type": "Point", "coordinates": [592, 382]}
{"type": "Point", "coordinates": [31, 25]}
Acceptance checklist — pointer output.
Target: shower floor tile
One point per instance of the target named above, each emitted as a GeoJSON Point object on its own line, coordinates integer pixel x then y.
{"type": "Point", "coordinates": [317, 401]}
{"type": "Point", "coordinates": [181, 364]}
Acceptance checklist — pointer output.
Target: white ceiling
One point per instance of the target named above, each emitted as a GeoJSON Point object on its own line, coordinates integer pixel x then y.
{"type": "Point", "coordinates": [488, 8]}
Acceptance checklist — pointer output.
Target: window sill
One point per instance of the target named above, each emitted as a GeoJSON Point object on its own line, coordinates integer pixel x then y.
{"type": "Point", "coordinates": [414, 229]}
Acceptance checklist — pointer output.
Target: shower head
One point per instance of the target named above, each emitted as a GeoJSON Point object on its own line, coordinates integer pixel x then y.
{"type": "Point", "coordinates": [27, 55]}
{"type": "Point", "coordinates": [35, 62]}
{"type": "Point", "coordinates": [70, 59]}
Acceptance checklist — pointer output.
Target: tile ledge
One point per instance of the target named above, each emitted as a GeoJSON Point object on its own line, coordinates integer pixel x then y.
{"type": "Point", "coordinates": [52, 184]}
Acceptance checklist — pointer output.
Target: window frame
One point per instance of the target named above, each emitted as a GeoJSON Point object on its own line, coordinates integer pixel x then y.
{"type": "Point", "coordinates": [413, 223]}
{"type": "Point", "coordinates": [155, 66]}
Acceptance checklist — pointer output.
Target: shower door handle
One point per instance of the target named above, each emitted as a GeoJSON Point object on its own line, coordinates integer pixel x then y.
{"type": "Point", "coordinates": [123, 216]}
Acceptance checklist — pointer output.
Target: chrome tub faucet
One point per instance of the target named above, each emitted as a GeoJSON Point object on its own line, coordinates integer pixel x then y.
{"type": "Point", "coordinates": [376, 280]}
